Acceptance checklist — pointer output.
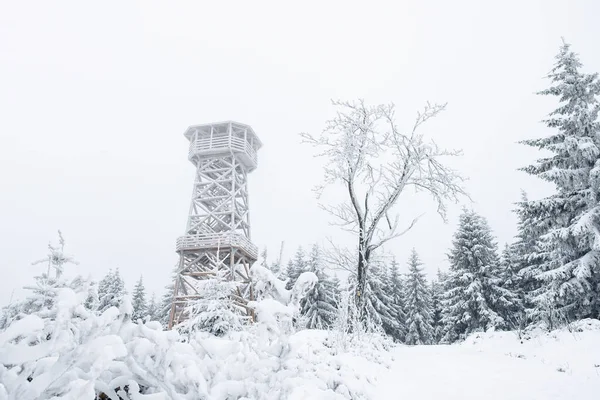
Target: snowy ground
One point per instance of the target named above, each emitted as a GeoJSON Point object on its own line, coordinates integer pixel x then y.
{"type": "Point", "coordinates": [73, 353]}
{"type": "Point", "coordinates": [560, 365]}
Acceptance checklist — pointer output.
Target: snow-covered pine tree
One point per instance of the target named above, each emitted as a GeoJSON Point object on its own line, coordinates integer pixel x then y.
{"type": "Point", "coordinates": [274, 267]}
{"type": "Point", "coordinates": [139, 301]}
{"type": "Point", "coordinates": [395, 291]}
{"type": "Point", "coordinates": [474, 299]}
{"type": "Point", "coordinates": [417, 301]}
{"type": "Point", "coordinates": [511, 280]}
{"type": "Point", "coordinates": [91, 303]}
{"type": "Point", "coordinates": [526, 253]}
{"type": "Point", "coordinates": [379, 311]}
{"type": "Point", "coordinates": [296, 267]}
{"type": "Point", "coordinates": [47, 283]}
{"type": "Point", "coordinates": [56, 258]}
{"type": "Point", "coordinates": [437, 292]}
{"type": "Point", "coordinates": [164, 309]}
{"type": "Point", "coordinates": [111, 291]}
{"type": "Point", "coordinates": [104, 287]}
{"type": "Point", "coordinates": [319, 307]}
{"type": "Point", "coordinates": [152, 309]}
{"type": "Point", "coordinates": [570, 274]}
{"type": "Point", "coordinates": [215, 312]}
{"type": "Point", "coordinates": [263, 258]}
{"type": "Point", "coordinates": [42, 295]}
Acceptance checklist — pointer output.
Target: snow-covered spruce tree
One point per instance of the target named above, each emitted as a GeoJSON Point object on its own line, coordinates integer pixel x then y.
{"type": "Point", "coordinates": [42, 294]}
{"type": "Point", "coordinates": [417, 301]}
{"type": "Point", "coordinates": [215, 312]}
{"type": "Point", "coordinates": [164, 306]}
{"type": "Point", "coordinates": [57, 258]}
{"type": "Point", "coordinates": [111, 291]}
{"type": "Point", "coordinates": [437, 292]}
{"type": "Point", "coordinates": [512, 281]}
{"type": "Point", "coordinates": [48, 282]}
{"type": "Point", "coordinates": [319, 307]}
{"type": "Point", "coordinates": [474, 299]}
{"type": "Point", "coordinates": [152, 309]}
{"type": "Point", "coordinates": [526, 254]}
{"type": "Point", "coordinates": [570, 272]}
{"type": "Point", "coordinates": [91, 303]}
{"type": "Point", "coordinates": [379, 311]}
{"type": "Point", "coordinates": [164, 309]}
{"type": "Point", "coordinates": [395, 290]}
{"type": "Point", "coordinates": [375, 163]}
{"type": "Point", "coordinates": [296, 267]}
{"type": "Point", "coordinates": [263, 259]}
{"type": "Point", "coordinates": [139, 301]}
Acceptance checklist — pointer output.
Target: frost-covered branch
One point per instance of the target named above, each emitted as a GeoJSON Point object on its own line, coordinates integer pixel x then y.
{"type": "Point", "coordinates": [375, 163]}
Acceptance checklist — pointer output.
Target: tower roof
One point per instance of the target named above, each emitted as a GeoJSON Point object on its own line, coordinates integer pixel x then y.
{"type": "Point", "coordinates": [189, 132]}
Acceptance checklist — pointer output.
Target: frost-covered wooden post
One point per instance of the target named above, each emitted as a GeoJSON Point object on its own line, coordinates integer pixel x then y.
{"type": "Point", "coordinates": [217, 237]}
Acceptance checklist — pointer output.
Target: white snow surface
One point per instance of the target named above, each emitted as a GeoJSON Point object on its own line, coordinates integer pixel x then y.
{"type": "Point", "coordinates": [563, 364]}
{"type": "Point", "coordinates": [76, 354]}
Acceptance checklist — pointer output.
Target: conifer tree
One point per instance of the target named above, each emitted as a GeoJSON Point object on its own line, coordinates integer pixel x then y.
{"type": "Point", "coordinates": [111, 291]}
{"type": "Point", "coordinates": [395, 291]}
{"type": "Point", "coordinates": [296, 267]}
{"type": "Point", "coordinates": [418, 304]}
{"type": "Point", "coordinates": [569, 276]}
{"type": "Point", "coordinates": [379, 311]}
{"type": "Point", "coordinates": [164, 306]}
{"type": "Point", "coordinates": [215, 311]}
{"type": "Point", "coordinates": [41, 297]}
{"type": "Point", "coordinates": [319, 306]}
{"type": "Point", "coordinates": [152, 309]}
{"type": "Point", "coordinates": [93, 299]}
{"type": "Point", "coordinates": [164, 309]}
{"type": "Point", "coordinates": [510, 279]}
{"type": "Point", "coordinates": [263, 258]}
{"type": "Point", "coordinates": [474, 299]}
{"type": "Point", "coordinates": [437, 292]}
{"type": "Point", "coordinates": [44, 291]}
{"type": "Point", "coordinates": [139, 301]}
{"type": "Point", "coordinates": [526, 254]}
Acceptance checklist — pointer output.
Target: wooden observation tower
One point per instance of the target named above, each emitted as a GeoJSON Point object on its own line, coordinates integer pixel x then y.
{"type": "Point", "coordinates": [217, 238]}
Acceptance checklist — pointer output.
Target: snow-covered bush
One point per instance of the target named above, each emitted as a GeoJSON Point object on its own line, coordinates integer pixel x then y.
{"type": "Point", "coordinates": [215, 312]}
{"type": "Point", "coordinates": [68, 351]}
{"type": "Point", "coordinates": [78, 355]}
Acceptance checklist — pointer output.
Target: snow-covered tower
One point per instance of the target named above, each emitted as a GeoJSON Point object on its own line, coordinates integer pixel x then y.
{"type": "Point", "coordinates": [217, 237]}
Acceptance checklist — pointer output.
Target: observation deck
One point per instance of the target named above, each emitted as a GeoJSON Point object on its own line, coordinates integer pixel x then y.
{"type": "Point", "coordinates": [217, 241]}
{"type": "Point", "coordinates": [223, 138]}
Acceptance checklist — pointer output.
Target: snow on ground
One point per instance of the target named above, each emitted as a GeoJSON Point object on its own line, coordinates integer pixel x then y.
{"type": "Point", "coordinates": [563, 364]}
{"type": "Point", "coordinates": [73, 353]}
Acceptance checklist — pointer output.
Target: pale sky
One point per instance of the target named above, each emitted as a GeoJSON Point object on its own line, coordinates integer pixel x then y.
{"type": "Point", "coordinates": [95, 98]}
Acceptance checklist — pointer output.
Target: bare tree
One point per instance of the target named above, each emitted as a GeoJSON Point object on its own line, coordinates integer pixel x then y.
{"type": "Point", "coordinates": [376, 163]}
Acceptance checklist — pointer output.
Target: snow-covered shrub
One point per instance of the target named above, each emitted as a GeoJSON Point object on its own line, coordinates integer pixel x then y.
{"type": "Point", "coordinates": [215, 312]}
{"type": "Point", "coordinates": [68, 351]}
{"type": "Point", "coordinates": [79, 355]}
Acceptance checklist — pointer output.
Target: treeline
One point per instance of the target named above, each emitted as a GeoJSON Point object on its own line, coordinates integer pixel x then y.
{"type": "Point", "coordinates": [480, 291]}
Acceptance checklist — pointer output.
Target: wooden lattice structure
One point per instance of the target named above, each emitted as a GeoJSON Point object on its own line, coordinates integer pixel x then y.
{"type": "Point", "coordinates": [217, 237]}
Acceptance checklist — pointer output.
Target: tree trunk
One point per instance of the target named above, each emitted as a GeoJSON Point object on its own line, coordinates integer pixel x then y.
{"type": "Point", "coordinates": [363, 264]}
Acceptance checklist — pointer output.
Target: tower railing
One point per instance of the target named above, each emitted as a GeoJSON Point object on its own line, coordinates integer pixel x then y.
{"type": "Point", "coordinates": [215, 241]}
{"type": "Point", "coordinates": [221, 145]}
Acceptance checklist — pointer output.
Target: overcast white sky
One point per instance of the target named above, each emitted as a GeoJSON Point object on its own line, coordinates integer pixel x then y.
{"type": "Point", "coordinates": [94, 99]}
